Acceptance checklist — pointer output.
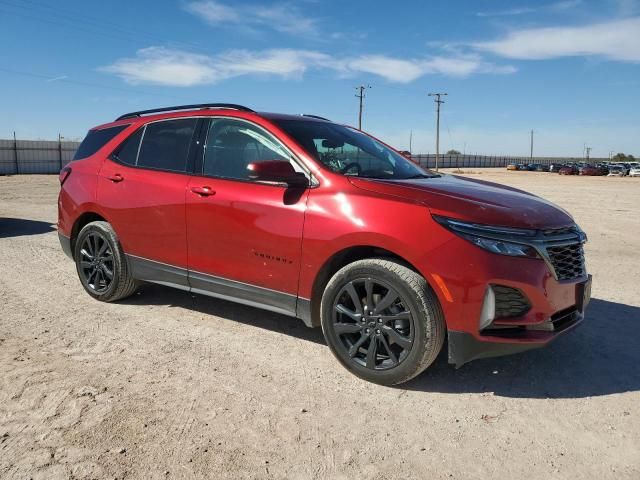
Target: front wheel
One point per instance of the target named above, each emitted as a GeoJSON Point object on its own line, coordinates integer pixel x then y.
{"type": "Point", "coordinates": [382, 321]}
{"type": "Point", "coordinates": [101, 264]}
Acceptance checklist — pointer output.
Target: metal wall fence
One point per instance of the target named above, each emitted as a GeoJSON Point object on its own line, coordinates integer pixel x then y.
{"type": "Point", "coordinates": [35, 156]}
{"type": "Point", "coordinates": [479, 161]}
{"type": "Point", "coordinates": [43, 156]}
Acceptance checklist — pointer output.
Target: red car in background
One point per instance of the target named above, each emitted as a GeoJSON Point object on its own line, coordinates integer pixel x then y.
{"type": "Point", "coordinates": [320, 221]}
{"type": "Point", "coordinates": [569, 170]}
{"type": "Point", "coordinates": [590, 170]}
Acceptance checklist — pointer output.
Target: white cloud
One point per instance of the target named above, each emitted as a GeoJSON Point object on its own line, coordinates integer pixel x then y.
{"type": "Point", "coordinates": [463, 66]}
{"type": "Point", "coordinates": [283, 18]}
{"type": "Point", "coordinates": [565, 5]}
{"type": "Point", "coordinates": [393, 69]}
{"type": "Point", "coordinates": [507, 13]}
{"type": "Point", "coordinates": [169, 67]}
{"type": "Point", "coordinates": [162, 66]}
{"type": "Point", "coordinates": [554, 7]}
{"type": "Point", "coordinates": [285, 63]}
{"type": "Point", "coordinates": [614, 40]}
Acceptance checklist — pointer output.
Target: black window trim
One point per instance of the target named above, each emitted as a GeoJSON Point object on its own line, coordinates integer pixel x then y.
{"type": "Point", "coordinates": [201, 150]}
{"type": "Point", "coordinates": [122, 127]}
{"type": "Point", "coordinates": [191, 153]}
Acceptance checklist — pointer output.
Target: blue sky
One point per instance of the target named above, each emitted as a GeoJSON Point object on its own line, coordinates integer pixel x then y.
{"type": "Point", "coordinates": [568, 69]}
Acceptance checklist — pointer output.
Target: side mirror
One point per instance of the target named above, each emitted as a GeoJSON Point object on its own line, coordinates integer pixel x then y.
{"type": "Point", "coordinates": [277, 171]}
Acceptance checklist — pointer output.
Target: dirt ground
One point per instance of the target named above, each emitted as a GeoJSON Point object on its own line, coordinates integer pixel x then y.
{"type": "Point", "coordinates": [167, 385]}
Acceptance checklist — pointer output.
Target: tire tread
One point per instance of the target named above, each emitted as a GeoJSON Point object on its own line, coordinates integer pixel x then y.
{"type": "Point", "coordinates": [126, 285]}
{"type": "Point", "coordinates": [431, 311]}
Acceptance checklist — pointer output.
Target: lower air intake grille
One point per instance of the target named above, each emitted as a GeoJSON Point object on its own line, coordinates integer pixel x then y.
{"type": "Point", "coordinates": [510, 302]}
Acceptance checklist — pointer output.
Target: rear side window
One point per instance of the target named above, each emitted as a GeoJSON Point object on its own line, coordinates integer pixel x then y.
{"type": "Point", "coordinates": [95, 140]}
{"type": "Point", "coordinates": [128, 151]}
{"type": "Point", "coordinates": [165, 144]}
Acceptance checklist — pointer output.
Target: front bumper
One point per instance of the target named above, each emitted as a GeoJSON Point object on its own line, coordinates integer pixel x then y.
{"type": "Point", "coordinates": [465, 347]}
{"type": "Point", "coordinates": [552, 305]}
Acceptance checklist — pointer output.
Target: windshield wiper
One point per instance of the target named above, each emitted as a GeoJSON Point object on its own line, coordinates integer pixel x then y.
{"type": "Point", "coordinates": [421, 175]}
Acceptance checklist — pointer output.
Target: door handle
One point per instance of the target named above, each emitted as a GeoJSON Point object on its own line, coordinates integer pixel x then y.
{"type": "Point", "coordinates": [116, 177]}
{"type": "Point", "coordinates": [203, 191]}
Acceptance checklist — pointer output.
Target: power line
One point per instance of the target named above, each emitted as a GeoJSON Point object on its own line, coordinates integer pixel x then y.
{"type": "Point", "coordinates": [361, 89]}
{"type": "Point", "coordinates": [56, 15]}
{"type": "Point", "coordinates": [438, 102]}
{"type": "Point", "coordinates": [84, 84]}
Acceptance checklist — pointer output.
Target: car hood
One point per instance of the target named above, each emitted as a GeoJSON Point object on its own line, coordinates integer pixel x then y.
{"type": "Point", "coordinates": [474, 201]}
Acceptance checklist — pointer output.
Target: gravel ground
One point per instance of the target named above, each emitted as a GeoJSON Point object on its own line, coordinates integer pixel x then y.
{"type": "Point", "coordinates": [168, 385]}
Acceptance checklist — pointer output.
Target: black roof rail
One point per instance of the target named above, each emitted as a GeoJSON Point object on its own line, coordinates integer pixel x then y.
{"type": "Point", "coordinates": [204, 106]}
{"type": "Point", "coordinates": [315, 116]}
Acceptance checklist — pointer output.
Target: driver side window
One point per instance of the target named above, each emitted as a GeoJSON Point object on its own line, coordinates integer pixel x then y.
{"type": "Point", "coordinates": [233, 144]}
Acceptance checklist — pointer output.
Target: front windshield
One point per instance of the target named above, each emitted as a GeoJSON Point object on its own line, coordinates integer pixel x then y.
{"type": "Point", "coordinates": [350, 152]}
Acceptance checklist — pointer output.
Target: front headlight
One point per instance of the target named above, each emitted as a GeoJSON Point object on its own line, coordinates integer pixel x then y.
{"type": "Point", "coordinates": [500, 240]}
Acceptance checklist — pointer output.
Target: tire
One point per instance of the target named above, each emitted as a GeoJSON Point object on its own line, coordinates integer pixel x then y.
{"type": "Point", "coordinates": [408, 330]}
{"type": "Point", "coordinates": [95, 271]}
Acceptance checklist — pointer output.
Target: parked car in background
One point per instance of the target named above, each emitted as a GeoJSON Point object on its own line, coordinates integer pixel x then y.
{"type": "Point", "coordinates": [522, 167]}
{"type": "Point", "coordinates": [555, 167]}
{"type": "Point", "coordinates": [635, 171]}
{"type": "Point", "coordinates": [591, 170]}
{"type": "Point", "coordinates": [542, 168]}
{"type": "Point", "coordinates": [569, 170]}
{"type": "Point", "coordinates": [512, 166]}
{"type": "Point", "coordinates": [405, 153]}
{"type": "Point", "coordinates": [320, 221]}
{"type": "Point", "coordinates": [617, 171]}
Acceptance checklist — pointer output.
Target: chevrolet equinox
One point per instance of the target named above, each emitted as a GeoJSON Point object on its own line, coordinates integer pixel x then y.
{"type": "Point", "coordinates": [323, 222]}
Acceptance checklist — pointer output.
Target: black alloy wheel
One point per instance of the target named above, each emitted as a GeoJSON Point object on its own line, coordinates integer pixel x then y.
{"type": "Point", "coordinates": [101, 264]}
{"type": "Point", "coordinates": [374, 323]}
{"type": "Point", "coordinates": [382, 320]}
{"type": "Point", "coordinates": [96, 262]}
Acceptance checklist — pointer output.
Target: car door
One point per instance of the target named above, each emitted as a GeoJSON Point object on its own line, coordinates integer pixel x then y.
{"type": "Point", "coordinates": [244, 237]}
{"type": "Point", "coordinates": [141, 188]}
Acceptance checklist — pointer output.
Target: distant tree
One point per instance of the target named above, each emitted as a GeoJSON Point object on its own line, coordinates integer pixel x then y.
{"type": "Point", "coordinates": [453, 152]}
{"type": "Point", "coordinates": [621, 157]}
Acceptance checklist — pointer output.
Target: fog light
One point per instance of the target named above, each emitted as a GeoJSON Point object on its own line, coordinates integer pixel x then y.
{"type": "Point", "coordinates": [488, 312]}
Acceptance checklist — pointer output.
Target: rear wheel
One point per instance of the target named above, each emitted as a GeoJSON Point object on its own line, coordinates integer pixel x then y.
{"type": "Point", "coordinates": [101, 264]}
{"type": "Point", "coordinates": [382, 321]}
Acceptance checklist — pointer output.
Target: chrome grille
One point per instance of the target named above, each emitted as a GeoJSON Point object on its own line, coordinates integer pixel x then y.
{"type": "Point", "coordinates": [567, 261]}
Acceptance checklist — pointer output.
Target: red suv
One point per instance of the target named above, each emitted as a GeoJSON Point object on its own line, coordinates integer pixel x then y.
{"type": "Point", "coordinates": [320, 221]}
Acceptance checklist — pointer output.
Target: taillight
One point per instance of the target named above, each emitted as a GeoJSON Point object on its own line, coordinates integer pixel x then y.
{"type": "Point", "coordinates": [64, 174]}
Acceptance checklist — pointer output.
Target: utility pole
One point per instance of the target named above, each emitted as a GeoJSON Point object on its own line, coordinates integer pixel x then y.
{"type": "Point", "coordinates": [360, 89]}
{"type": "Point", "coordinates": [60, 149]}
{"type": "Point", "coordinates": [410, 140]}
{"type": "Point", "coordinates": [588, 150]}
{"type": "Point", "coordinates": [531, 155]}
{"type": "Point", "coordinates": [438, 103]}
{"type": "Point", "coordinates": [15, 152]}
